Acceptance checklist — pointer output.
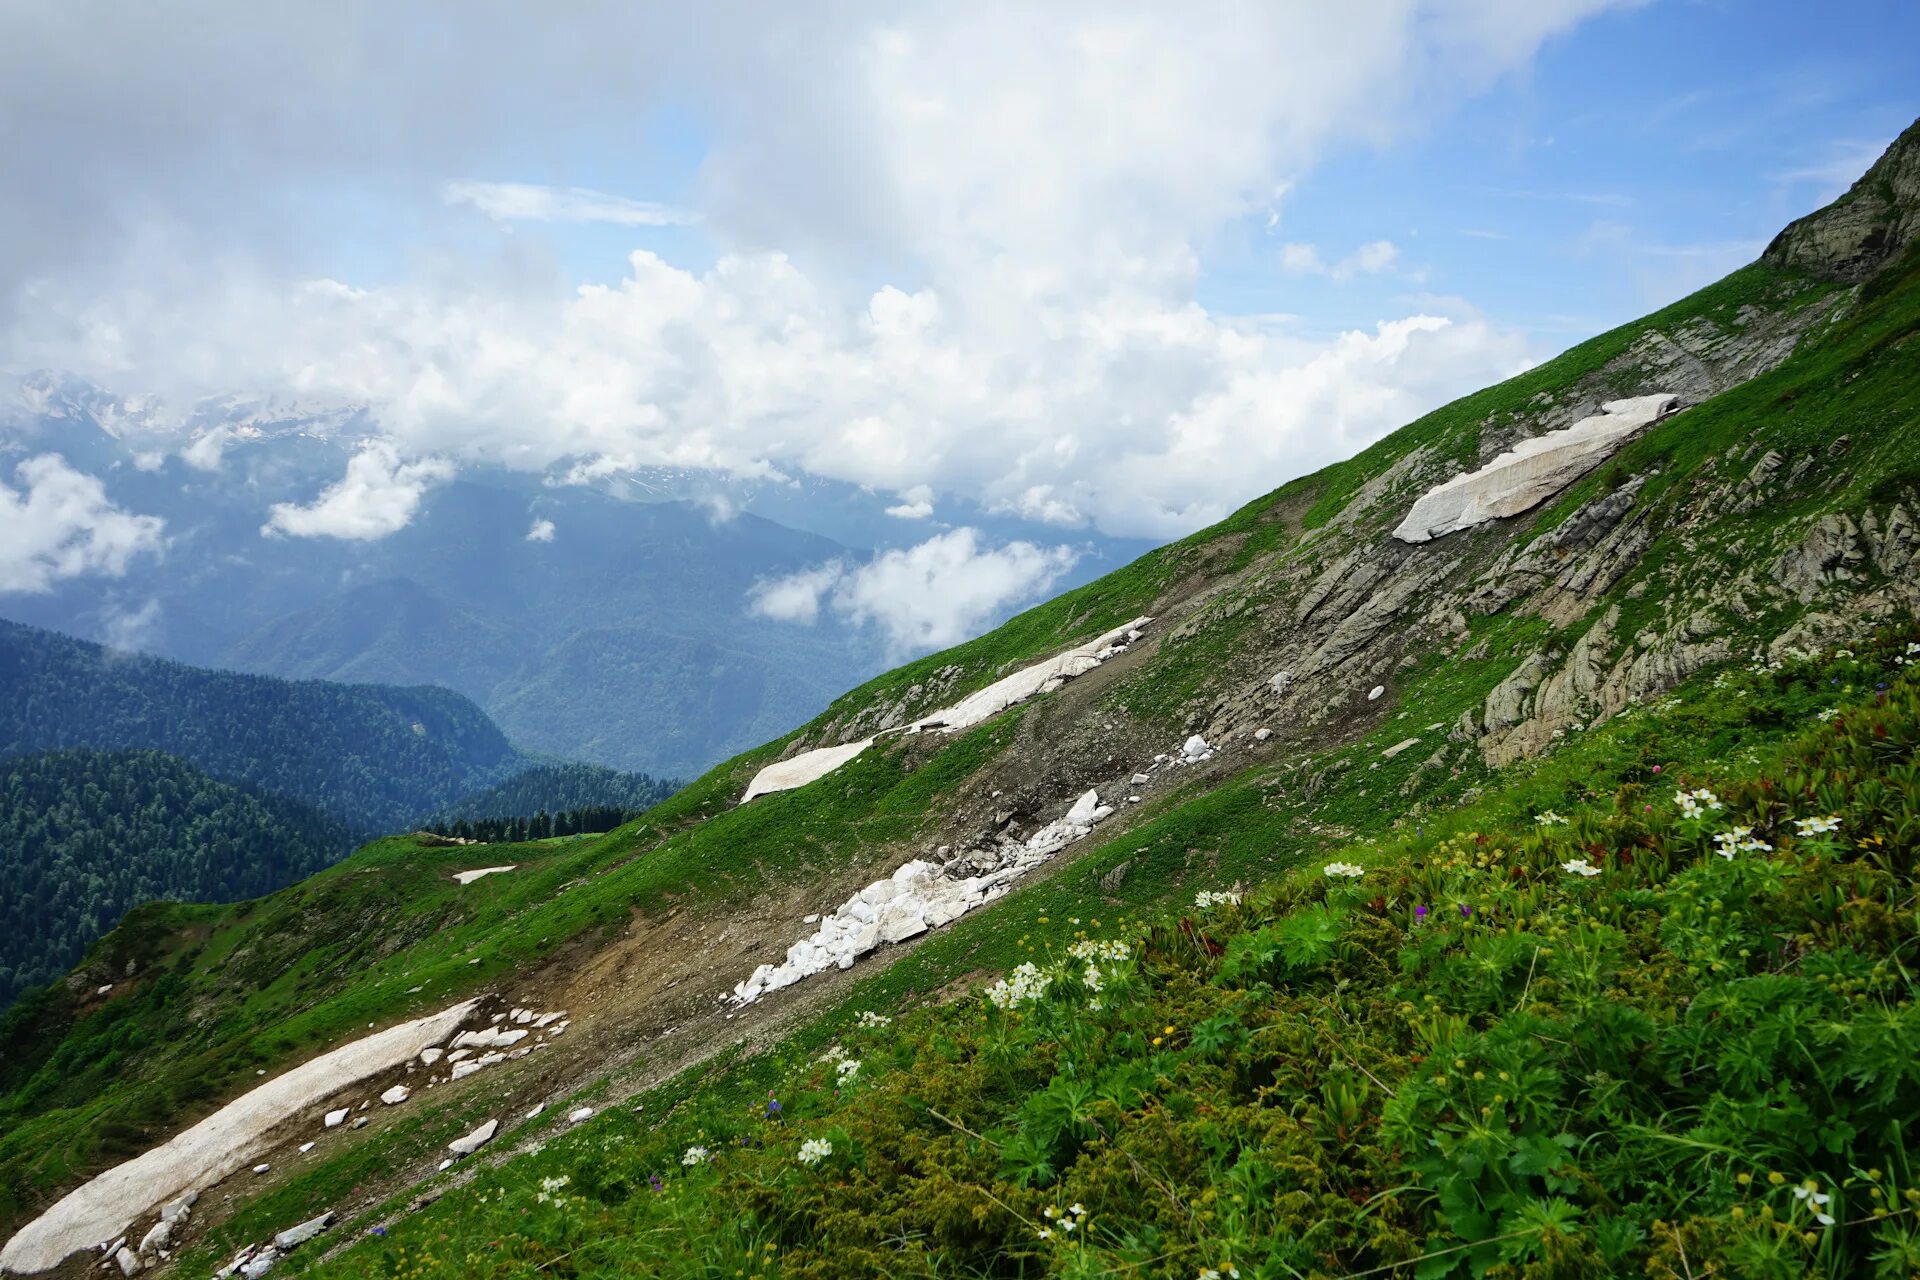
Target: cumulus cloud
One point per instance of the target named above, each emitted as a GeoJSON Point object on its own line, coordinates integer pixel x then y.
{"type": "Point", "coordinates": [529, 202]}
{"type": "Point", "coordinates": [923, 597]}
{"type": "Point", "coordinates": [540, 531]}
{"type": "Point", "coordinates": [59, 524]}
{"type": "Point", "coordinates": [1044, 350]}
{"type": "Point", "coordinates": [377, 496]}
{"type": "Point", "coordinates": [915, 504]}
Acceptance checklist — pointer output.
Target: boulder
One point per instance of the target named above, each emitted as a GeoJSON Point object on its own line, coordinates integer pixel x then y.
{"type": "Point", "coordinates": [157, 1239]}
{"type": "Point", "coordinates": [431, 1055]}
{"type": "Point", "coordinates": [1195, 748]}
{"type": "Point", "coordinates": [128, 1260]}
{"type": "Point", "coordinates": [306, 1231]}
{"type": "Point", "coordinates": [474, 1141]}
{"type": "Point", "coordinates": [580, 1115]}
{"type": "Point", "coordinates": [396, 1095]}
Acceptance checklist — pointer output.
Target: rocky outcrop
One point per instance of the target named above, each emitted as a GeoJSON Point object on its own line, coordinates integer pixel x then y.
{"type": "Point", "coordinates": [1861, 232]}
{"type": "Point", "coordinates": [1532, 471]}
{"type": "Point", "coordinates": [1829, 552]}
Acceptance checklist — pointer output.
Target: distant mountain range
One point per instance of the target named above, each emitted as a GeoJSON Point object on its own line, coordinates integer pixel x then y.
{"type": "Point", "coordinates": [126, 778]}
{"type": "Point", "coordinates": [617, 633]}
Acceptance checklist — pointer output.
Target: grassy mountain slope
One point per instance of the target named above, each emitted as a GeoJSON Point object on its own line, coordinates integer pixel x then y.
{"type": "Point", "coordinates": [1545, 662]}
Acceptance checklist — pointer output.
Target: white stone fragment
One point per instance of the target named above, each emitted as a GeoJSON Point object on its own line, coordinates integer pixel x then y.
{"type": "Point", "coordinates": [462, 1070]}
{"type": "Point", "coordinates": [128, 1260]}
{"type": "Point", "coordinates": [490, 1038]}
{"type": "Point", "coordinates": [1532, 471]}
{"type": "Point", "coordinates": [468, 877]}
{"type": "Point", "coordinates": [261, 1168]}
{"type": "Point", "coordinates": [1398, 747]}
{"type": "Point", "coordinates": [306, 1147]}
{"type": "Point", "coordinates": [1261, 735]}
{"type": "Point", "coordinates": [474, 1141]}
{"type": "Point", "coordinates": [396, 1095]}
{"type": "Point", "coordinates": [156, 1239]}
{"type": "Point", "coordinates": [579, 1115]}
{"type": "Point", "coordinates": [336, 1118]}
{"type": "Point", "coordinates": [1195, 748]}
{"type": "Point", "coordinates": [295, 1236]}
{"type": "Point", "coordinates": [1373, 694]}
{"type": "Point", "coordinates": [431, 1055]}
{"type": "Point", "coordinates": [538, 1107]}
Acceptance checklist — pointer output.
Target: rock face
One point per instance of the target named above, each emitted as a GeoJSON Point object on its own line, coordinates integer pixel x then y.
{"type": "Point", "coordinates": [1866, 228]}
{"type": "Point", "coordinates": [1532, 471]}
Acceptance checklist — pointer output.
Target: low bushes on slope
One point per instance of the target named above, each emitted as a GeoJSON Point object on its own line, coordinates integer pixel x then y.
{"type": "Point", "coordinates": [1668, 1031]}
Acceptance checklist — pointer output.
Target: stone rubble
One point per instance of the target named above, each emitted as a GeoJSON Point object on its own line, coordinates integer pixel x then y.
{"type": "Point", "coordinates": [920, 895]}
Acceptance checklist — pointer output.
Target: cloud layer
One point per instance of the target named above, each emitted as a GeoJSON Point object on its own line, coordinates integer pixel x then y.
{"type": "Point", "coordinates": [953, 249]}
{"type": "Point", "coordinates": [60, 524]}
{"type": "Point", "coordinates": [922, 597]}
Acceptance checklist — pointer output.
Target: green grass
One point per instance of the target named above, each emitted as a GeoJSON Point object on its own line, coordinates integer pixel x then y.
{"type": "Point", "coordinates": [1579, 1077]}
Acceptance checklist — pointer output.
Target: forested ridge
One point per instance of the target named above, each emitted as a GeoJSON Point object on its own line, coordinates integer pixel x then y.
{"type": "Point", "coordinates": [376, 758]}
{"type": "Point", "coordinates": [88, 835]}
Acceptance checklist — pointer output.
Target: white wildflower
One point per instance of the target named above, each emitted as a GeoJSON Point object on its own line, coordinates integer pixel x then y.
{"type": "Point", "coordinates": [1697, 803]}
{"type": "Point", "coordinates": [1817, 826]}
{"type": "Point", "coordinates": [1580, 867]}
{"type": "Point", "coordinates": [1550, 819]}
{"type": "Point", "coordinates": [1025, 985]}
{"type": "Point", "coordinates": [869, 1019]}
{"type": "Point", "coordinates": [695, 1155]}
{"type": "Point", "coordinates": [1090, 949]}
{"type": "Point", "coordinates": [1207, 899]}
{"type": "Point", "coordinates": [847, 1070]}
{"type": "Point", "coordinates": [814, 1150]}
{"type": "Point", "coordinates": [1347, 869]}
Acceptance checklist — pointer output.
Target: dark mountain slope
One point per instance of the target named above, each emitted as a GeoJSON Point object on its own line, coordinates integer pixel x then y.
{"type": "Point", "coordinates": [88, 835]}
{"type": "Point", "coordinates": [374, 758]}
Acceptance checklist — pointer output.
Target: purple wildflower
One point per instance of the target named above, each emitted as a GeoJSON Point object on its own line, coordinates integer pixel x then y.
{"type": "Point", "coordinates": [379, 1231]}
{"type": "Point", "coordinates": [653, 1180]}
{"type": "Point", "coordinates": [1420, 913]}
{"type": "Point", "coordinates": [1466, 912]}
{"type": "Point", "coordinates": [773, 1106]}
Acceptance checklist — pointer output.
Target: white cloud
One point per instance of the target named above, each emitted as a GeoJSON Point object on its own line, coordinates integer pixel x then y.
{"type": "Point", "coordinates": [60, 524]}
{"type": "Point", "coordinates": [540, 531]}
{"type": "Point", "coordinates": [1369, 259]}
{"type": "Point", "coordinates": [923, 597]}
{"type": "Point", "coordinates": [1047, 354]}
{"type": "Point", "coordinates": [528, 202]}
{"type": "Point", "coordinates": [377, 496]}
{"type": "Point", "coordinates": [204, 453]}
{"type": "Point", "coordinates": [131, 628]}
{"type": "Point", "coordinates": [915, 503]}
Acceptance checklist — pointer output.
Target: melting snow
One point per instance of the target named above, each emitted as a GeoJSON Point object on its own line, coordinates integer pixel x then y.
{"type": "Point", "coordinates": [468, 877]}
{"type": "Point", "coordinates": [1041, 677]}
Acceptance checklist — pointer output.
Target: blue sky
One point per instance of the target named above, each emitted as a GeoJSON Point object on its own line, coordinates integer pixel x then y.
{"type": "Point", "coordinates": [1070, 272]}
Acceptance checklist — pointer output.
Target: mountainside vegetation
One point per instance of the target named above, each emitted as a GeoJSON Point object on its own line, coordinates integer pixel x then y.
{"type": "Point", "coordinates": [557, 787]}
{"type": "Point", "coordinates": [90, 834]}
{"type": "Point", "coordinates": [1537, 901]}
{"type": "Point", "coordinates": [372, 757]}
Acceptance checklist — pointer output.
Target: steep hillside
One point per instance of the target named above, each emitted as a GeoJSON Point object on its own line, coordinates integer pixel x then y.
{"type": "Point", "coordinates": [90, 834]}
{"type": "Point", "coordinates": [1678, 558]}
{"type": "Point", "coordinates": [375, 758]}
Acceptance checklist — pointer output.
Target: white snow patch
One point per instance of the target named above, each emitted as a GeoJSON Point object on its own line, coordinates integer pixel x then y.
{"type": "Point", "coordinates": [1042, 677]}
{"type": "Point", "coordinates": [1531, 471]}
{"type": "Point", "coordinates": [218, 1146]}
{"type": "Point", "coordinates": [468, 877]}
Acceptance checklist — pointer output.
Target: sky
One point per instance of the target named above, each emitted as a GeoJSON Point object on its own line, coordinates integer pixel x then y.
{"type": "Point", "coordinates": [1111, 268]}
